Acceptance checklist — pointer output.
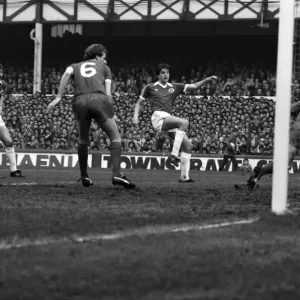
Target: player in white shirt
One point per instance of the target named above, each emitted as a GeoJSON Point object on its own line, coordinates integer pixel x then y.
{"type": "Point", "coordinates": [5, 137]}
{"type": "Point", "coordinates": [162, 96]}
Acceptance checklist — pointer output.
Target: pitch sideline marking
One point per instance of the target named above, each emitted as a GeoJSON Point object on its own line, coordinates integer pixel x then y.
{"type": "Point", "coordinates": [144, 231]}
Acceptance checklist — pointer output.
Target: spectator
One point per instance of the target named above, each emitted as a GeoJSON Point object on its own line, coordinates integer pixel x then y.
{"type": "Point", "coordinates": [246, 167]}
{"type": "Point", "coordinates": [131, 147]}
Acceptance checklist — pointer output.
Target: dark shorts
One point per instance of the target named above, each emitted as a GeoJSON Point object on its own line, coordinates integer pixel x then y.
{"type": "Point", "coordinates": [91, 106]}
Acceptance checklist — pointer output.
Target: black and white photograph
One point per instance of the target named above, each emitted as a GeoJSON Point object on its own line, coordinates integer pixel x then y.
{"type": "Point", "coordinates": [149, 149]}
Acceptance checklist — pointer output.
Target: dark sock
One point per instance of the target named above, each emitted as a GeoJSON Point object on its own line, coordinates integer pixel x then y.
{"type": "Point", "coordinates": [115, 154]}
{"type": "Point", "coordinates": [83, 157]}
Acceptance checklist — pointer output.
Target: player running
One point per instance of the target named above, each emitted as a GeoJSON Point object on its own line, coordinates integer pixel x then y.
{"type": "Point", "coordinates": [294, 147]}
{"type": "Point", "coordinates": [162, 96]}
{"type": "Point", "coordinates": [5, 137]}
{"type": "Point", "coordinates": [93, 100]}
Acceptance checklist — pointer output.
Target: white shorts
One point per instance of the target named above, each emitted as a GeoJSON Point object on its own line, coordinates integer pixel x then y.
{"type": "Point", "coordinates": [158, 118]}
{"type": "Point", "coordinates": [1, 122]}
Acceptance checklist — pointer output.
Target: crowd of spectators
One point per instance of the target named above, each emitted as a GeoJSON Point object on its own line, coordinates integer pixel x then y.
{"type": "Point", "coordinates": [211, 118]}
{"type": "Point", "coordinates": [234, 79]}
{"type": "Point", "coordinates": [211, 122]}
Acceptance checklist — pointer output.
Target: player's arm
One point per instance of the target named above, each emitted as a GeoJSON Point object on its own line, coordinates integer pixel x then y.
{"type": "Point", "coordinates": [197, 85]}
{"type": "Point", "coordinates": [137, 109]}
{"type": "Point", "coordinates": [108, 87]}
{"type": "Point", "coordinates": [63, 83]}
{"type": "Point", "coordinates": [107, 81]}
{"type": "Point", "coordinates": [144, 95]}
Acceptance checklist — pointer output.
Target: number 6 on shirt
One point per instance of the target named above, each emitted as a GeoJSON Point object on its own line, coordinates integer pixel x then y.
{"type": "Point", "coordinates": [87, 71]}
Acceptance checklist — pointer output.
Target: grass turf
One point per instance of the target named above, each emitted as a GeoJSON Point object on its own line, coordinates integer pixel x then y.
{"type": "Point", "coordinates": [254, 261]}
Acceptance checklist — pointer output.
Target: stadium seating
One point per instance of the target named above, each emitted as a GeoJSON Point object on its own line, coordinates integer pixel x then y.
{"type": "Point", "coordinates": [238, 99]}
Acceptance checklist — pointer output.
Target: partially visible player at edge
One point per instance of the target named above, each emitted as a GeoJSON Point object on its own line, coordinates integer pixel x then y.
{"type": "Point", "coordinates": [5, 135]}
{"type": "Point", "coordinates": [93, 100]}
{"type": "Point", "coordinates": [162, 96]}
{"type": "Point", "coordinates": [294, 147]}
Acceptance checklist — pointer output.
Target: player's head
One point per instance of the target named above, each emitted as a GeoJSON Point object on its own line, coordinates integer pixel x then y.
{"type": "Point", "coordinates": [163, 73]}
{"type": "Point", "coordinates": [95, 51]}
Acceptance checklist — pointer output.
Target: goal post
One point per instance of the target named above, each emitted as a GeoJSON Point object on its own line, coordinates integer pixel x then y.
{"type": "Point", "coordinates": [283, 105]}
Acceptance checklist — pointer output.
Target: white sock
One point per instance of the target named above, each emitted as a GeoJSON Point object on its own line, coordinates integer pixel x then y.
{"type": "Point", "coordinates": [185, 165]}
{"type": "Point", "coordinates": [179, 135]}
{"type": "Point", "coordinates": [10, 153]}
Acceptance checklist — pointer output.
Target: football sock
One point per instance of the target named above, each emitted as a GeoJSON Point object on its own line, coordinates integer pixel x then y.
{"type": "Point", "coordinates": [179, 135]}
{"type": "Point", "coordinates": [185, 165]}
{"type": "Point", "coordinates": [10, 153]}
{"type": "Point", "coordinates": [115, 154]}
{"type": "Point", "coordinates": [83, 158]}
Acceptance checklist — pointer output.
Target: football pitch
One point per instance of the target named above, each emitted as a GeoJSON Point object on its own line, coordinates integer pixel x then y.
{"type": "Point", "coordinates": [162, 241]}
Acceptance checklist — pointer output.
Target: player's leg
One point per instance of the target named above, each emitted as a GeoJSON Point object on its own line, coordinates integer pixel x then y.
{"type": "Point", "coordinates": [235, 166]}
{"type": "Point", "coordinates": [10, 152]}
{"type": "Point", "coordinates": [172, 122]}
{"type": "Point", "coordinates": [82, 150]}
{"type": "Point", "coordinates": [103, 112]}
{"type": "Point", "coordinates": [224, 162]}
{"type": "Point", "coordinates": [83, 124]}
{"type": "Point", "coordinates": [185, 158]}
{"type": "Point", "coordinates": [111, 129]}
{"type": "Point", "coordinates": [259, 172]}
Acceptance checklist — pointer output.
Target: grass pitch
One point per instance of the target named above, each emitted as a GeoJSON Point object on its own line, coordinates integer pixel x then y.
{"type": "Point", "coordinates": [61, 241]}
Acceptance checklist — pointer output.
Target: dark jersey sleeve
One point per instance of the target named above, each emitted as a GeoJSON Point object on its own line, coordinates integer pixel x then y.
{"type": "Point", "coordinates": [145, 92]}
{"type": "Point", "coordinates": [179, 88]}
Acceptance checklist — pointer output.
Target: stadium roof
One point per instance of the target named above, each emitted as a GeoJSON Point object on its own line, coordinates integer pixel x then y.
{"type": "Point", "coordinates": [79, 11]}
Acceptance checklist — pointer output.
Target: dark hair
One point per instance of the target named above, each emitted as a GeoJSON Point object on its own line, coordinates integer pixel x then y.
{"type": "Point", "coordinates": [93, 50]}
{"type": "Point", "coordinates": [162, 66]}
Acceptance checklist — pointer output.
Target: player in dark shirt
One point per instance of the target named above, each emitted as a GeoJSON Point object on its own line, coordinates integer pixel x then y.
{"type": "Point", "coordinates": [5, 135]}
{"type": "Point", "coordinates": [229, 152]}
{"type": "Point", "coordinates": [162, 96]}
{"type": "Point", "coordinates": [294, 147]}
{"type": "Point", "coordinates": [93, 100]}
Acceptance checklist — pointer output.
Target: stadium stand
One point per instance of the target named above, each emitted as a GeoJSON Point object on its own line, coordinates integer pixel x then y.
{"type": "Point", "coordinates": [212, 112]}
{"type": "Point", "coordinates": [241, 98]}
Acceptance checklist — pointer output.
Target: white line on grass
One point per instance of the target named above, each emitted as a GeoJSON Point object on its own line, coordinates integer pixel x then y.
{"type": "Point", "coordinates": [141, 232]}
